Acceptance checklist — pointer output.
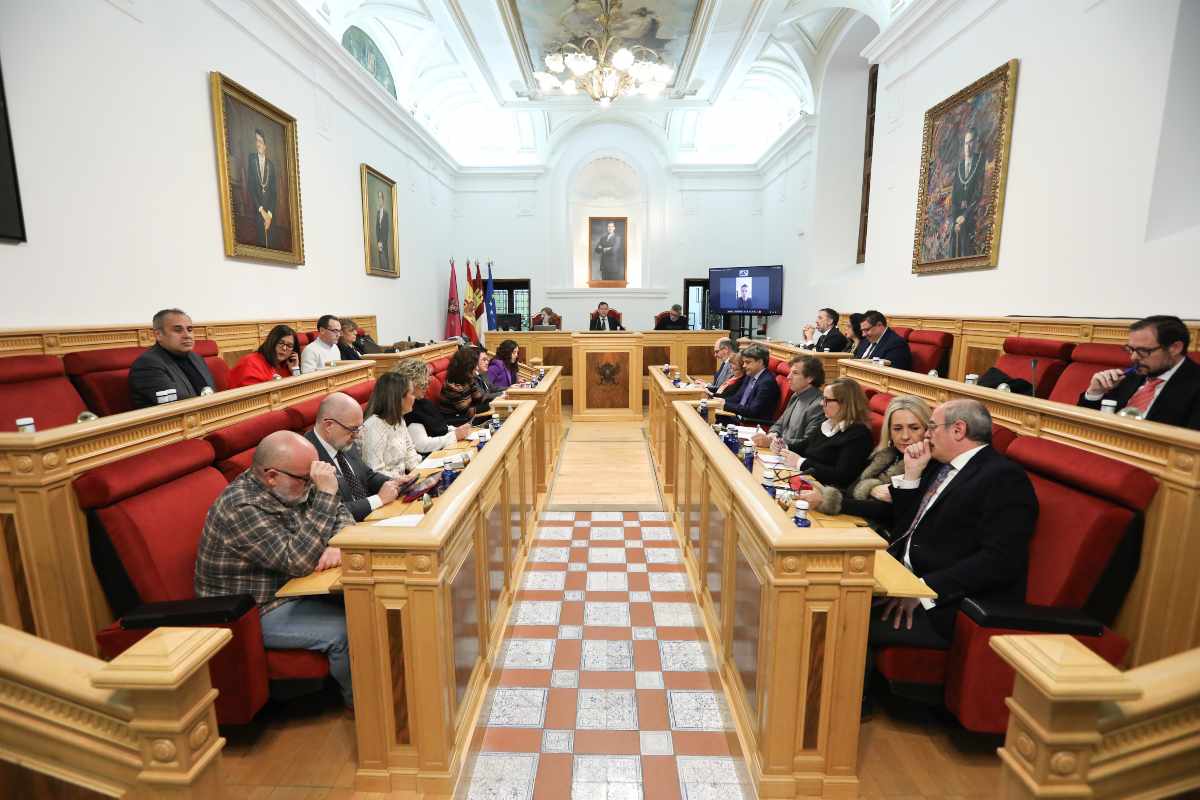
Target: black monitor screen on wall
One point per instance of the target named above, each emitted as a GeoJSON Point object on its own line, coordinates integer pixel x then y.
{"type": "Point", "coordinates": [12, 222]}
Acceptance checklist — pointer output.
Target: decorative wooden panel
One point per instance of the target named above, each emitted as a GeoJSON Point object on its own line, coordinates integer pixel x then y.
{"type": "Point", "coordinates": [818, 621]}
{"type": "Point", "coordinates": [714, 553]}
{"type": "Point", "coordinates": [396, 640]}
{"type": "Point", "coordinates": [700, 361]}
{"type": "Point", "coordinates": [607, 380]}
{"type": "Point", "coordinates": [464, 610]}
{"type": "Point", "coordinates": [16, 610]}
{"type": "Point", "coordinates": [747, 621]}
{"type": "Point", "coordinates": [655, 356]}
{"type": "Point", "coordinates": [493, 532]}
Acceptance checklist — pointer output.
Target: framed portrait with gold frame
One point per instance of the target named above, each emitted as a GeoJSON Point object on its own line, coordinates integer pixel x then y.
{"type": "Point", "coordinates": [379, 201]}
{"type": "Point", "coordinates": [258, 175]}
{"type": "Point", "coordinates": [964, 169]}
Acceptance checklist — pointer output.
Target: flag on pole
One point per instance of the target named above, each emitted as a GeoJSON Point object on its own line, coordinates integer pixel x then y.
{"type": "Point", "coordinates": [453, 318]}
{"type": "Point", "coordinates": [489, 300]}
{"type": "Point", "coordinates": [469, 308]}
{"type": "Point", "coordinates": [478, 301]}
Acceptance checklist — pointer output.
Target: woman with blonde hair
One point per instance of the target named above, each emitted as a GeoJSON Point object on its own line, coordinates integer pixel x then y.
{"type": "Point", "coordinates": [729, 387]}
{"type": "Point", "coordinates": [426, 425]}
{"type": "Point", "coordinates": [836, 452]}
{"type": "Point", "coordinates": [904, 422]}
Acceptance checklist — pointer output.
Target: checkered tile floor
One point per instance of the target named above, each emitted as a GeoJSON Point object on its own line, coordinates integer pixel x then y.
{"type": "Point", "coordinates": [607, 688]}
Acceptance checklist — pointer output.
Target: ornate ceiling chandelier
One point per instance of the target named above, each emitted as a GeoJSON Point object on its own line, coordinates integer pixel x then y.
{"type": "Point", "coordinates": [602, 68]}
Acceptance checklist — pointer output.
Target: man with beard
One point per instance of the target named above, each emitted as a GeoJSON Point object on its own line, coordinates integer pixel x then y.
{"type": "Point", "coordinates": [271, 524]}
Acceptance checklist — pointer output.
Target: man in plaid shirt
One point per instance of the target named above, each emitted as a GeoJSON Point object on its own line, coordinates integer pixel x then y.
{"type": "Point", "coordinates": [271, 524]}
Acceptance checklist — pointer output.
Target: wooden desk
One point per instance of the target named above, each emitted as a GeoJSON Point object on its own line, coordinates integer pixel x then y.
{"type": "Point", "coordinates": [662, 433]}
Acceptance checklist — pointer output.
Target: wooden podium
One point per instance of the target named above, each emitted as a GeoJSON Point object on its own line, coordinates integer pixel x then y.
{"type": "Point", "coordinates": [608, 376]}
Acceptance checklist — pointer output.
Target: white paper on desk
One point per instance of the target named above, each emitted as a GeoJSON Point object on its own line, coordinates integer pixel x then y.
{"type": "Point", "coordinates": [770, 460]}
{"type": "Point", "coordinates": [431, 463]}
{"type": "Point", "coordinates": [405, 521]}
{"type": "Point", "coordinates": [746, 431]}
{"type": "Point", "coordinates": [474, 436]}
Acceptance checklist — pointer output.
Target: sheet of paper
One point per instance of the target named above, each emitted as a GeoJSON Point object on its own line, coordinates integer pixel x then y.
{"type": "Point", "coordinates": [770, 459]}
{"type": "Point", "coordinates": [431, 463]}
{"type": "Point", "coordinates": [403, 521]}
{"type": "Point", "coordinates": [746, 431]}
{"type": "Point", "coordinates": [473, 436]}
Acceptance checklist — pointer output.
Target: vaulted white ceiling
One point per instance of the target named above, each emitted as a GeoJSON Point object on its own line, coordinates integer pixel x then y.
{"type": "Point", "coordinates": [748, 72]}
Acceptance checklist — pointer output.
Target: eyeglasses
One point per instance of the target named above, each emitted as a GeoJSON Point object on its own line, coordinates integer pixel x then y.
{"type": "Point", "coordinates": [305, 478]}
{"type": "Point", "coordinates": [933, 425]}
{"type": "Point", "coordinates": [825, 400]}
{"type": "Point", "coordinates": [1142, 352]}
{"type": "Point", "coordinates": [334, 330]}
{"type": "Point", "coordinates": [346, 427]}
{"type": "Point", "coordinates": [285, 346]}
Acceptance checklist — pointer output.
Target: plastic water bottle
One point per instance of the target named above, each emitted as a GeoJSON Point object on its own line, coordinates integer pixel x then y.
{"type": "Point", "coordinates": [971, 379]}
{"type": "Point", "coordinates": [933, 373]}
{"type": "Point", "coordinates": [800, 515]}
{"type": "Point", "coordinates": [703, 407]}
{"type": "Point", "coordinates": [495, 423]}
{"type": "Point", "coordinates": [426, 502]}
{"type": "Point", "coordinates": [1108, 406]}
{"type": "Point", "coordinates": [1130, 412]}
{"type": "Point", "coordinates": [748, 456]}
{"type": "Point", "coordinates": [1004, 387]}
{"type": "Point", "coordinates": [26, 425]}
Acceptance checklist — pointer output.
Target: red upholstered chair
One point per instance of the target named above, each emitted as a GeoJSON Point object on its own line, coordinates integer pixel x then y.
{"type": "Point", "coordinates": [780, 368]}
{"type": "Point", "coordinates": [1021, 353]}
{"type": "Point", "coordinates": [234, 446]}
{"type": "Point", "coordinates": [152, 508]}
{"type": "Point", "coordinates": [877, 405]}
{"type": "Point", "coordinates": [555, 320]}
{"type": "Point", "coordinates": [207, 349]}
{"type": "Point", "coordinates": [304, 415]}
{"type": "Point", "coordinates": [37, 386]}
{"type": "Point", "coordinates": [434, 392]}
{"type": "Point", "coordinates": [930, 350]}
{"type": "Point", "coordinates": [1086, 361]}
{"type": "Point", "coordinates": [1089, 521]}
{"type": "Point", "coordinates": [102, 377]}
{"type": "Point", "coordinates": [361, 392]}
{"type": "Point", "coordinates": [612, 312]}
{"type": "Point", "coordinates": [302, 340]}
{"type": "Point", "coordinates": [901, 331]}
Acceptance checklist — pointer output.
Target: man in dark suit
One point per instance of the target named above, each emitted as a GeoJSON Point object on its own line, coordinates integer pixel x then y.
{"type": "Point", "coordinates": [759, 395]}
{"type": "Point", "coordinates": [603, 321]}
{"type": "Point", "coordinates": [1162, 381]}
{"type": "Point", "coordinates": [383, 236]}
{"type": "Point", "coordinates": [263, 186]}
{"type": "Point", "coordinates": [825, 335]}
{"type": "Point", "coordinates": [723, 350]}
{"type": "Point", "coordinates": [361, 489]}
{"type": "Point", "coordinates": [673, 321]}
{"type": "Point", "coordinates": [743, 298]}
{"type": "Point", "coordinates": [880, 341]}
{"type": "Point", "coordinates": [964, 515]}
{"type": "Point", "coordinates": [170, 370]}
{"type": "Point", "coordinates": [608, 248]}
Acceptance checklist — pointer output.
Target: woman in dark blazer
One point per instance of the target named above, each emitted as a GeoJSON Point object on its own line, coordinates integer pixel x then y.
{"type": "Point", "coordinates": [836, 452]}
{"type": "Point", "coordinates": [733, 384]}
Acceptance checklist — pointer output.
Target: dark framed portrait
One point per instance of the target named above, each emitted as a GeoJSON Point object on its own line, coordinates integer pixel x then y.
{"type": "Point", "coordinates": [379, 223]}
{"type": "Point", "coordinates": [607, 251]}
{"type": "Point", "coordinates": [258, 170]}
{"type": "Point", "coordinates": [964, 167]}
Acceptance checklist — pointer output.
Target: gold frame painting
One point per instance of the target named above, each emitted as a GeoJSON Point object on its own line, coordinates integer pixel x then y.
{"type": "Point", "coordinates": [964, 170]}
{"type": "Point", "coordinates": [258, 175]}
{"type": "Point", "coordinates": [379, 246]}
{"type": "Point", "coordinates": [596, 279]}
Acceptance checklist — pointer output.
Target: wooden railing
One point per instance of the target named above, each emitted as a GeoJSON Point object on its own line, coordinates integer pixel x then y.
{"type": "Point", "coordinates": [426, 608]}
{"type": "Point", "coordinates": [1081, 728]}
{"type": "Point", "coordinates": [662, 433]}
{"type": "Point", "coordinates": [547, 420]}
{"type": "Point", "coordinates": [141, 726]}
{"type": "Point", "coordinates": [787, 609]}
{"type": "Point", "coordinates": [1171, 542]}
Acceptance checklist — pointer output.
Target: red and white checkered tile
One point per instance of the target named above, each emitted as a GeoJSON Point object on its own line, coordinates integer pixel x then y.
{"type": "Point", "coordinates": [608, 685]}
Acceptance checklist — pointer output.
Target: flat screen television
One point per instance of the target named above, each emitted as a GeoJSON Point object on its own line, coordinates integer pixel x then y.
{"type": "Point", "coordinates": [746, 290]}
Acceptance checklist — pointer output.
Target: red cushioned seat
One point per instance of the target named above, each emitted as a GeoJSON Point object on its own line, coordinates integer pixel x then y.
{"type": "Point", "coordinates": [152, 508]}
{"type": "Point", "coordinates": [1020, 354]}
{"type": "Point", "coordinates": [877, 405]}
{"type": "Point", "coordinates": [1086, 361]}
{"type": "Point", "coordinates": [901, 331]}
{"type": "Point", "coordinates": [37, 386]}
{"type": "Point", "coordinates": [102, 377]}
{"type": "Point", "coordinates": [234, 446]}
{"type": "Point", "coordinates": [304, 415]}
{"type": "Point", "coordinates": [301, 340]}
{"type": "Point", "coordinates": [207, 349]}
{"type": "Point", "coordinates": [779, 369]}
{"type": "Point", "coordinates": [930, 350]}
{"type": "Point", "coordinates": [539, 319]}
{"type": "Point", "coordinates": [361, 391]}
{"type": "Point", "coordinates": [1088, 505]}
{"type": "Point", "coordinates": [1002, 438]}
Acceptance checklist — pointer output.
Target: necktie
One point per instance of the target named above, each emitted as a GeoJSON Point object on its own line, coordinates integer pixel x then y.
{"type": "Point", "coordinates": [1145, 394]}
{"type": "Point", "coordinates": [746, 392]}
{"type": "Point", "coordinates": [930, 493]}
{"type": "Point", "coordinates": [352, 482]}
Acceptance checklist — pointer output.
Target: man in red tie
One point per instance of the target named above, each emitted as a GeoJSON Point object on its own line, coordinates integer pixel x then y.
{"type": "Point", "coordinates": [1161, 381]}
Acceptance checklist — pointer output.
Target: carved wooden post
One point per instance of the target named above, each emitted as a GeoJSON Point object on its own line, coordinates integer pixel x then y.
{"type": "Point", "coordinates": [1055, 706]}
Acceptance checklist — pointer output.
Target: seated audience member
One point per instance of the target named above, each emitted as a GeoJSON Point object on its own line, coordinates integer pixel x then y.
{"type": "Point", "coordinates": [502, 371]}
{"type": "Point", "coordinates": [170, 365]}
{"type": "Point", "coordinates": [322, 350]}
{"type": "Point", "coordinates": [271, 524]}
{"type": "Point", "coordinates": [673, 321]}
{"type": "Point", "coordinates": [838, 450]}
{"type": "Point", "coordinates": [905, 422]}
{"type": "Point", "coordinates": [964, 515]}
{"type": "Point", "coordinates": [803, 413]}
{"type": "Point", "coordinates": [759, 394]}
{"type": "Point", "coordinates": [1161, 380]}
{"type": "Point", "coordinates": [825, 335]}
{"type": "Point", "coordinates": [723, 351]}
{"type": "Point", "coordinates": [732, 384]}
{"type": "Point", "coordinates": [386, 445]}
{"type": "Point", "coordinates": [275, 358]}
{"type": "Point", "coordinates": [482, 382]}
{"type": "Point", "coordinates": [347, 351]}
{"type": "Point", "coordinates": [426, 426]}
{"type": "Point", "coordinates": [603, 321]}
{"type": "Point", "coordinates": [547, 316]}
{"type": "Point", "coordinates": [362, 489]}
{"type": "Point", "coordinates": [880, 341]}
{"type": "Point", "coordinates": [856, 338]}
{"type": "Point", "coordinates": [461, 395]}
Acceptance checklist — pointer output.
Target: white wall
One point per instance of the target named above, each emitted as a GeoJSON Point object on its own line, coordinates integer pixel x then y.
{"type": "Point", "coordinates": [112, 128]}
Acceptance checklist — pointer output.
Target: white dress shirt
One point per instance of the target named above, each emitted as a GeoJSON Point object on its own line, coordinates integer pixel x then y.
{"type": "Point", "coordinates": [871, 346]}
{"type": "Point", "coordinates": [603, 322]}
{"type": "Point", "coordinates": [374, 499]}
{"type": "Point", "coordinates": [900, 482]}
{"type": "Point", "coordinates": [1166, 376]}
{"type": "Point", "coordinates": [317, 355]}
{"type": "Point", "coordinates": [388, 448]}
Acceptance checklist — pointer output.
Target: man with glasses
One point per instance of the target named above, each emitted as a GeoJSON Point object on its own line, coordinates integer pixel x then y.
{"type": "Point", "coordinates": [322, 350]}
{"type": "Point", "coordinates": [759, 394]}
{"type": "Point", "coordinates": [825, 335]}
{"type": "Point", "coordinates": [362, 489]}
{"type": "Point", "coordinates": [271, 524]}
{"type": "Point", "coordinates": [723, 350]}
{"type": "Point", "coordinates": [1161, 381]}
{"type": "Point", "coordinates": [880, 341]}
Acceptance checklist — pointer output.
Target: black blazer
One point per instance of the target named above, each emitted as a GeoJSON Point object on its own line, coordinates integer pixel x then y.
{"type": "Point", "coordinates": [665, 324]}
{"type": "Point", "coordinates": [156, 370]}
{"type": "Point", "coordinates": [763, 400]}
{"type": "Point", "coordinates": [836, 460]}
{"type": "Point", "coordinates": [890, 346]}
{"type": "Point", "coordinates": [359, 507]}
{"type": "Point", "coordinates": [834, 339]}
{"type": "Point", "coordinates": [1177, 404]}
{"type": "Point", "coordinates": [349, 352]}
{"type": "Point", "coordinates": [613, 324]}
{"type": "Point", "coordinates": [974, 540]}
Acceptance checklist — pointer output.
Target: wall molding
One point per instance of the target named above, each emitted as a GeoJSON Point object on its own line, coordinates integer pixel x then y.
{"type": "Point", "coordinates": [916, 24]}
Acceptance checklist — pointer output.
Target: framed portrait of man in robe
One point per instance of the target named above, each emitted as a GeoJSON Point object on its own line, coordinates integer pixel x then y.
{"type": "Point", "coordinates": [379, 223]}
{"type": "Point", "coordinates": [258, 171]}
{"type": "Point", "coordinates": [607, 252]}
{"type": "Point", "coordinates": [964, 167]}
